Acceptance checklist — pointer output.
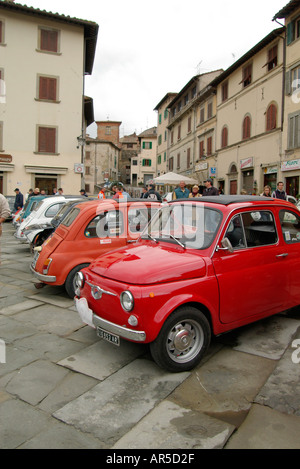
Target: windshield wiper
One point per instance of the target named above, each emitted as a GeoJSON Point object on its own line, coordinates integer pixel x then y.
{"type": "Point", "coordinates": [151, 237]}
{"type": "Point", "coordinates": [177, 240]}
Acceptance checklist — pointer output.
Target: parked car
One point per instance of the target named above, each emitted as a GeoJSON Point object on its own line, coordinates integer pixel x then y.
{"type": "Point", "coordinates": [203, 266]}
{"type": "Point", "coordinates": [11, 202]}
{"type": "Point", "coordinates": [43, 212]}
{"type": "Point", "coordinates": [37, 233]}
{"type": "Point", "coordinates": [89, 229]}
{"type": "Point", "coordinates": [292, 199]}
{"type": "Point", "coordinates": [167, 197]}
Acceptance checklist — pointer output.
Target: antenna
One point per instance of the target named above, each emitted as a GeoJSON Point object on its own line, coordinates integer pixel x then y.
{"type": "Point", "coordinates": [198, 68]}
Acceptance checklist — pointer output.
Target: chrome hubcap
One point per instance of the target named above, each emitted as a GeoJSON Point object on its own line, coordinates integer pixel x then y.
{"type": "Point", "coordinates": [185, 341]}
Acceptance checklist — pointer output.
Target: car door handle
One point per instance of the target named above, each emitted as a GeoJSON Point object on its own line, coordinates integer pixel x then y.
{"type": "Point", "coordinates": [282, 255]}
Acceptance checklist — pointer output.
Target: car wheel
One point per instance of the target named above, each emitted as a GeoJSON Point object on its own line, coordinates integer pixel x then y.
{"type": "Point", "coordinates": [183, 340]}
{"type": "Point", "coordinates": [70, 280]}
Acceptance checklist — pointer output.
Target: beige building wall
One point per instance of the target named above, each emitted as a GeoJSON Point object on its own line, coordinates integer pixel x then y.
{"type": "Point", "coordinates": [143, 167]}
{"type": "Point", "coordinates": [248, 163]}
{"type": "Point", "coordinates": [21, 112]}
{"type": "Point", "coordinates": [163, 133]}
{"type": "Point", "coordinates": [101, 164]}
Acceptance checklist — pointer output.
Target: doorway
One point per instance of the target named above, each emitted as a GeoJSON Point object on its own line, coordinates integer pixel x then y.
{"type": "Point", "coordinates": [292, 186]}
{"type": "Point", "coordinates": [48, 184]}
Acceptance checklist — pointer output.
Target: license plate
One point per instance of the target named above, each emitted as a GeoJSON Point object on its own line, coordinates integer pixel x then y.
{"type": "Point", "coordinates": [112, 338]}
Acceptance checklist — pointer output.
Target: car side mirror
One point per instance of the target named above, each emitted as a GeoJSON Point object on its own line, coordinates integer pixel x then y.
{"type": "Point", "coordinates": [226, 245]}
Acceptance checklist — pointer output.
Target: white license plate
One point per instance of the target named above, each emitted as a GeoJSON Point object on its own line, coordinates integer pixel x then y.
{"type": "Point", "coordinates": [112, 338]}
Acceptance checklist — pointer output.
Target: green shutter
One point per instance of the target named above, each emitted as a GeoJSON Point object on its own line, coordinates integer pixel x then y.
{"type": "Point", "coordinates": [290, 29]}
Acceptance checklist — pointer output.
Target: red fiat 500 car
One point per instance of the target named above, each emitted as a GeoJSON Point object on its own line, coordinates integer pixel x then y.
{"type": "Point", "coordinates": [90, 229]}
{"type": "Point", "coordinates": [203, 266]}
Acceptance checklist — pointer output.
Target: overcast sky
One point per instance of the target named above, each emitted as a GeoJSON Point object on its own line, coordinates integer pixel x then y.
{"type": "Point", "coordinates": [147, 49]}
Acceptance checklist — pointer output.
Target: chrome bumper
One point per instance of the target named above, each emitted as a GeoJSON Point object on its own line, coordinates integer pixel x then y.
{"type": "Point", "coordinates": [42, 277]}
{"type": "Point", "coordinates": [90, 318]}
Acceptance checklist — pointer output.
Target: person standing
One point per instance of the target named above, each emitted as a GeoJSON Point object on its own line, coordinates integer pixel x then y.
{"type": "Point", "coordinates": [195, 192]}
{"type": "Point", "coordinates": [280, 192]}
{"type": "Point", "coordinates": [209, 188]}
{"type": "Point", "coordinates": [101, 194]}
{"type": "Point", "coordinates": [19, 200]}
{"type": "Point", "coordinates": [152, 193]}
{"type": "Point", "coordinates": [4, 211]}
{"type": "Point", "coordinates": [181, 192]}
{"type": "Point", "coordinates": [267, 192]}
{"type": "Point", "coordinates": [83, 193]}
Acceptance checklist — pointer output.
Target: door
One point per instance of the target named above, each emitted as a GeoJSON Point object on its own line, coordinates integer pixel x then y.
{"type": "Point", "coordinates": [247, 277]}
{"type": "Point", "coordinates": [233, 187]}
{"type": "Point", "coordinates": [47, 184]}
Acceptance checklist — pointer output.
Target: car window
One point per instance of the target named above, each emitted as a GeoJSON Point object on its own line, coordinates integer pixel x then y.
{"type": "Point", "coordinates": [139, 217]}
{"type": "Point", "coordinates": [52, 210]}
{"type": "Point", "coordinates": [251, 229]}
{"type": "Point", "coordinates": [72, 215]}
{"type": "Point", "coordinates": [106, 224]}
{"type": "Point", "coordinates": [290, 226]}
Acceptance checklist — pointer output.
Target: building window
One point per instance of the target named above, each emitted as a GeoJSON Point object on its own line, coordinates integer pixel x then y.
{"type": "Point", "coordinates": [209, 146]}
{"type": "Point", "coordinates": [134, 162]}
{"type": "Point", "coordinates": [178, 160]}
{"type": "Point", "coordinates": [272, 58]}
{"type": "Point", "coordinates": [209, 110]}
{"type": "Point", "coordinates": [224, 138]}
{"type": "Point", "coordinates": [246, 128]}
{"type": "Point", "coordinates": [48, 41]}
{"type": "Point", "coordinates": [1, 136]}
{"type": "Point", "coordinates": [202, 110]}
{"type": "Point", "coordinates": [295, 79]}
{"type": "Point", "coordinates": [159, 159]}
{"type": "Point", "coordinates": [47, 88]}
{"type": "Point", "coordinates": [179, 132]}
{"type": "Point", "coordinates": [146, 162]}
{"type": "Point", "coordinates": [189, 124]}
{"type": "Point", "coordinates": [1, 32]}
{"type": "Point", "coordinates": [107, 130]}
{"type": "Point", "coordinates": [47, 139]}
{"type": "Point", "coordinates": [186, 99]}
{"type": "Point", "coordinates": [172, 137]}
{"type": "Point", "coordinates": [194, 92]}
{"type": "Point", "coordinates": [166, 113]}
{"type": "Point", "coordinates": [271, 117]}
{"type": "Point", "coordinates": [147, 145]}
{"type": "Point", "coordinates": [225, 91]}
{"type": "Point", "coordinates": [159, 119]}
{"type": "Point", "coordinates": [188, 158]}
{"type": "Point", "coordinates": [294, 130]}
{"type": "Point", "coordinates": [201, 149]}
{"type": "Point", "coordinates": [293, 30]}
{"type": "Point", "coordinates": [171, 164]}
{"type": "Point", "coordinates": [247, 75]}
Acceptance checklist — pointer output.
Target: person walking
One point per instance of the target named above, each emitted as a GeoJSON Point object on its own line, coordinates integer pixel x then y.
{"type": "Point", "coordinates": [83, 193]}
{"type": "Point", "coordinates": [181, 192]}
{"type": "Point", "coordinates": [280, 192]}
{"type": "Point", "coordinates": [209, 188]}
{"type": "Point", "coordinates": [4, 211]}
{"type": "Point", "coordinates": [19, 200]}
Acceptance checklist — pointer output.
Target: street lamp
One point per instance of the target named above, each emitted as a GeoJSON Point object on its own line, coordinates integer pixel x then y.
{"type": "Point", "coordinates": [81, 143]}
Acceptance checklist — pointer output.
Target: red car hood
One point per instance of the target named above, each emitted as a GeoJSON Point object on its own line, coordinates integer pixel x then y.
{"type": "Point", "coordinates": [145, 264]}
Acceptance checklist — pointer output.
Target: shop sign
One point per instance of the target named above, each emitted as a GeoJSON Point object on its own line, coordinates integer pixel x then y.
{"type": "Point", "coordinates": [271, 170]}
{"type": "Point", "coordinates": [213, 171]}
{"type": "Point", "coordinates": [201, 166]}
{"type": "Point", "coordinates": [5, 158]}
{"type": "Point", "coordinates": [247, 163]}
{"type": "Point", "coordinates": [290, 165]}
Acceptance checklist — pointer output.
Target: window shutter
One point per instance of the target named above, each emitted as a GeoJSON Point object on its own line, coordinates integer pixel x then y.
{"type": "Point", "coordinates": [47, 88]}
{"type": "Point", "coordinates": [144, 145]}
{"type": "Point", "coordinates": [1, 29]}
{"type": "Point", "coordinates": [290, 29]}
{"type": "Point", "coordinates": [49, 40]}
{"type": "Point", "coordinates": [47, 137]}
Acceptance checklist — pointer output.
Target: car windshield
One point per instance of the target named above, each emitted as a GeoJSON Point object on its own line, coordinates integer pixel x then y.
{"type": "Point", "coordinates": [189, 225]}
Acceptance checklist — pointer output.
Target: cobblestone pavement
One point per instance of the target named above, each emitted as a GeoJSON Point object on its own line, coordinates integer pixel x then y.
{"type": "Point", "coordinates": [62, 387]}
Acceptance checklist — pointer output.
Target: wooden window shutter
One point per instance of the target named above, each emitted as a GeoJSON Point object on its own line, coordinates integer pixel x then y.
{"type": "Point", "coordinates": [209, 146]}
{"type": "Point", "coordinates": [290, 33]}
{"type": "Point", "coordinates": [271, 117]}
{"type": "Point", "coordinates": [1, 31]}
{"type": "Point", "coordinates": [47, 88]}
{"type": "Point", "coordinates": [189, 124]}
{"type": "Point", "coordinates": [49, 40]}
{"type": "Point", "coordinates": [201, 149]}
{"type": "Point", "coordinates": [246, 127]}
{"type": "Point", "coordinates": [224, 141]}
{"type": "Point", "coordinates": [47, 140]}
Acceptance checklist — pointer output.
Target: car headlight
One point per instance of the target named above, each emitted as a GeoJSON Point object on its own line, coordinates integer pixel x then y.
{"type": "Point", "coordinates": [127, 300]}
{"type": "Point", "coordinates": [79, 280]}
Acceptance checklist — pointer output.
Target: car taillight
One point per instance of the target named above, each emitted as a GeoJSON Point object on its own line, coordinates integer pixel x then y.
{"type": "Point", "coordinates": [46, 266]}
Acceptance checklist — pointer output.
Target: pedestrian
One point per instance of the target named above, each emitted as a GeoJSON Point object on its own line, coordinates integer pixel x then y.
{"type": "Point", "coordinates": [83, 193]}
{"type": "Point", "coordinates": [19, 200]}
{"type": "Point", "coordinates": [152, 193]}
{"type": "Point", "coordinates": [35, 192]}
{"type": "Point", "coordinates": [181, 192]}
{"type": "Point", "coordinates": [125, 193]}
{"type": "Point", "coordinates": [43, 192]}
{"type": "Point", "coordinates": [60, 192]}
{"type": "Point", "coordinates": [267, 191]}
{"type": "Point", "coordinates": [209, 188]}
{"type": "Point", "coordinates": [280, 192]}
{"type": "Point", "coordinates": [54, 191]}
{"type": "Point", "coordinates": [101, 194]}
{"type": "Point", "coordinates": [144, 192]}
{"type": "Point", "coordinates": [4, 211]}
{"type": "Point", "coordinates": [195, 192]}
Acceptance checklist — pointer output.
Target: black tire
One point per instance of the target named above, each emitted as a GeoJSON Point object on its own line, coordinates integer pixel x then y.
{"type": "Point", "coordinates": [183, 340]}
{"type": "Point", "coordinates": [69, 283]}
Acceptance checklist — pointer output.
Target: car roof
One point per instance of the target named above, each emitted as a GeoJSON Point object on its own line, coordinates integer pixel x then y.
{"type": "Point", "coordinates": [232, 199]}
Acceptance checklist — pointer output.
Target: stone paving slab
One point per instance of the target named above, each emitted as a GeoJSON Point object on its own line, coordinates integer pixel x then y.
{"type": "Point", "coordinates": [102, 359]}
{"type": "Point", "coordinates": [282, 390]}
{"type": "Point", "coordinates": [55, 300]}
{"type": "Point", "coordinates": [170, 426]}
{"type": "Point", "coordinates": [226, 384]}
{"type": "Point", "coordinates": [268, 338]}
{"type": "Point", "coordinates": [114, 406]}
{"type": "Point", "coordinates": [265, 428]}
{"type": "Point", "coordinates": [19, 307]}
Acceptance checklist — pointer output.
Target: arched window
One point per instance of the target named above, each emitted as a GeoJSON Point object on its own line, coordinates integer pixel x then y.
{"type": "Point", "coordinates": [247, 128]}
{"type": "Point", "coordinates": [224, 141]}
{"type": "Point", "coordinates": [271, 117]}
